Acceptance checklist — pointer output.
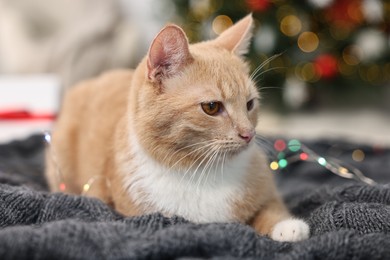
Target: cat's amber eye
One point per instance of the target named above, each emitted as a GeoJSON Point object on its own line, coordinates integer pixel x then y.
{"type": "Point", "coordinates": [212, 108]}
{"type": "Point", "coordinates": [250, 104]}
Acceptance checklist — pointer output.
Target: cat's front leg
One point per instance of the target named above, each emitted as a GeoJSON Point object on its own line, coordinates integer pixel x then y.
{"type": "Point", "coordinates": [274, 220]}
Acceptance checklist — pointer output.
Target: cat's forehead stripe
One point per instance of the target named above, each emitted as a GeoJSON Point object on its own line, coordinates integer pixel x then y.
{"type": "Point", "coordinates": [232, 87]}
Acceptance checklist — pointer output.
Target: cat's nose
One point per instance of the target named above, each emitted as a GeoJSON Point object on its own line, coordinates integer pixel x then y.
{"type": "Point", "coordinates": [247, 136]}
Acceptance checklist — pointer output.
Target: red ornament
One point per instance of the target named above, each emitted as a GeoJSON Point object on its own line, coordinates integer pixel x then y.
{"type": "Point", "coordinates": [258, 5]}
{"type": "Point", "coordinates": [325, 66]}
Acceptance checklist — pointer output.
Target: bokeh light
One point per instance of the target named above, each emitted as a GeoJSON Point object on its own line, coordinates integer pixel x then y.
{"type": "Point", "coordinates": [346, 69]}
{"type": "Point", "coordinates": [322, 161]}
{"type": "Point", "coordinates": [291, 25]}
{"type": "Point", "coordinates": [351, 55]}
{"type": "Point", "coordinates": [343, 170]}
{"type": "Point", "coordinates": [274, 166]}
{"type": "Point", "coordinates": [306, 71]}
{"type": "Point", "coordinates": [303, 156]}
{"type": "Point", "coordinates": [221, 23]}
{"type": "Point", "coordinates": [308, 41]}
{"type": "Point", "coordinates": [280, 145]}
{"type": "Point", "coordinates": [281, 155]}
{"type": "Point", "coordinates": [326, 66]}
{"type": "Point", "coordinates": [358, 155]}
{"type": "Point", "coordinates": [86, 187]}
{"type": "Point", "coordinates": [62, 186]}
{"type": "Point", "coordinates": [294, 145]}
{"type": "Point", "coordinates": [283, 163]}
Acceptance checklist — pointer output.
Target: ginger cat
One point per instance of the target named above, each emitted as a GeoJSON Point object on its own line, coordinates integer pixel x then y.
{"type": "Point", "coordinates": [175, 136]}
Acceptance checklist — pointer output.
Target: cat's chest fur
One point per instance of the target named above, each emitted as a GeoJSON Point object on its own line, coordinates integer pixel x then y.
{"type": "Point", "coordinates": [199, 195]}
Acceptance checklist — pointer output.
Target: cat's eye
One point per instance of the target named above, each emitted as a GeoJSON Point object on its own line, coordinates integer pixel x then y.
{"type": "Point", "coordinates": [250, 104]}
{"type": "Point", "coordinates": [212, 108]}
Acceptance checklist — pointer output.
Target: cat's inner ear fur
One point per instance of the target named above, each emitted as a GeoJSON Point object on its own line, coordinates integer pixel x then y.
{"type": "Point", "coordinates": [168, 54]}
{"type": "Point", "coordinates": [237, 38]}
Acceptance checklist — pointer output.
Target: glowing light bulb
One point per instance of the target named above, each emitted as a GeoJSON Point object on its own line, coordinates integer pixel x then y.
{"type": "Point", "coordinates": [274, 166]}
{"type": "Point", "coordinates": [62, 186]}
{"type": "Point", "coordinates": [280, 145]}
{"type": "Point", "coordinates": [322, 161]}
{"type": "Point", "coordinates": [343, 170]}
{"type": "Point", "coordinates": [281, 155]}
{"type": "Point", "coordinates": [303, 156]}
{"type": "Point", "coordinates": [308, 73]}
{"type": "Point", "coordinates": [358, 155]}
{"type": "Point", "coordinates": [283, 163]}
{"type": "Point", "coordinates": [294, 145]}
{"type": "Point", "coordinates": [47, 137]}
{"type": "Point", "coordinates": [86, 187]}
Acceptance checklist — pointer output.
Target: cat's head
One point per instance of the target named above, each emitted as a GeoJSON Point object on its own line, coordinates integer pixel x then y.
{"type": "Point", "coordinates": [193, 102]}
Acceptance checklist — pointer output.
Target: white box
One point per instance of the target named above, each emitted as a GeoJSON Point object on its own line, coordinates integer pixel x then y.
{"type": "Point", "coordinates": [37, 95]}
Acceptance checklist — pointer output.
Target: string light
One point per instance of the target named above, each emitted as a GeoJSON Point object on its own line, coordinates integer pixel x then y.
{"type": "Point", "coordinates": [303, 156]}
{"type": "Point", "coordinates": [53, 157]}
{"type": "Point", "coordinates": [332, 164]}
{"type": "Point", "coordinates": [281, 155]}
{"type": "Point", "coordinates": [358, 155]}
{"type": "Point", "coordinates": [322, 161]}
{"type": "Point", "coordinates": [294, 145]}
{"type": "Point", "coordinates": [47, 137]}
{"type": "Point", "coordinates": [86, 188]}
{"type": "Point", "coordinates": [343, 170]}
{"type": "Point", "coordinates": [274, 166]}
{"type": "Point", "coordinates": [280, 145]}
{"type": "Point", "coordinates": [283, 163]}
{"type": "Point", "coordinates": [62, 186]}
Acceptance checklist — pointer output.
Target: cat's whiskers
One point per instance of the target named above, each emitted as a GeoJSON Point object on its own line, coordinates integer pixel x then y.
{"type": "Point", "coordinates": [212, 157]}
{"type": "Point", "coordinates": [194, 173]}
{"type": "Point", "coordinates": [263, 64]}
{"type": "Point", "coordinates": [172, 154]}
{"type": "Point", "coordinates": [215, 160]}
{"type": "Point", "coordinates": [207, 167]}
{"type": "Point", "coordinates": [188, 154]}
{"type": "Point", "coordinates": [223, 164]}
{"type": "Point", "coordinates": [198, 158]}
{"type": "Point", "coordinates": [269, 87]}
{"type": "Point", "coordinates": [265, 71]}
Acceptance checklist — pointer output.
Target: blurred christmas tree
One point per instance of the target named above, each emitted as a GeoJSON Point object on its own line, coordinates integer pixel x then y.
{"type": "Point", "coordinates": [332, 53]}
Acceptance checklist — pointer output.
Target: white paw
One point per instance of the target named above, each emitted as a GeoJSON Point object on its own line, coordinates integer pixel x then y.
{"type": "Point", "coordinates": [290, 230]}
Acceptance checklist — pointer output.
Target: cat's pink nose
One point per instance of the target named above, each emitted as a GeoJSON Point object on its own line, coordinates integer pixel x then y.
{"type": "Point", "coordinates": [247, 136]}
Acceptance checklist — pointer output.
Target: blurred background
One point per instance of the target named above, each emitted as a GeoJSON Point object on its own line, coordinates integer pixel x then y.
{"type": "Point", "coordinates": [325, 63]}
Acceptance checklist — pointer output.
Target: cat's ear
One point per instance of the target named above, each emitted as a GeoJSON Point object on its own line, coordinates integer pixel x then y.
{"type": "Point", "coordinates": [237, 38]}
{"type": "Point", "coordinates": [168, 54]}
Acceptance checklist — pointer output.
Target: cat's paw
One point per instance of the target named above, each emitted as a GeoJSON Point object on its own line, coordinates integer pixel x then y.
{"type": "Point", "coordinates": [290, 230]}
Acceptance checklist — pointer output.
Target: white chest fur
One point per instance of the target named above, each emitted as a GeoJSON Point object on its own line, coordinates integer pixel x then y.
{"type": "Point", "coordinates": [199, 199]}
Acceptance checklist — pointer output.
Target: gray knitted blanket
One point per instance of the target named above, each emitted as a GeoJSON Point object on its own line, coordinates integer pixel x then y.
{"type": "Point", "coordinates": [348, 220]}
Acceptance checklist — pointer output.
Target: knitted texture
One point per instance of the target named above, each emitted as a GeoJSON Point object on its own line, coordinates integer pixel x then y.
{"type": "Point", "coordinates": [348, 220]}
